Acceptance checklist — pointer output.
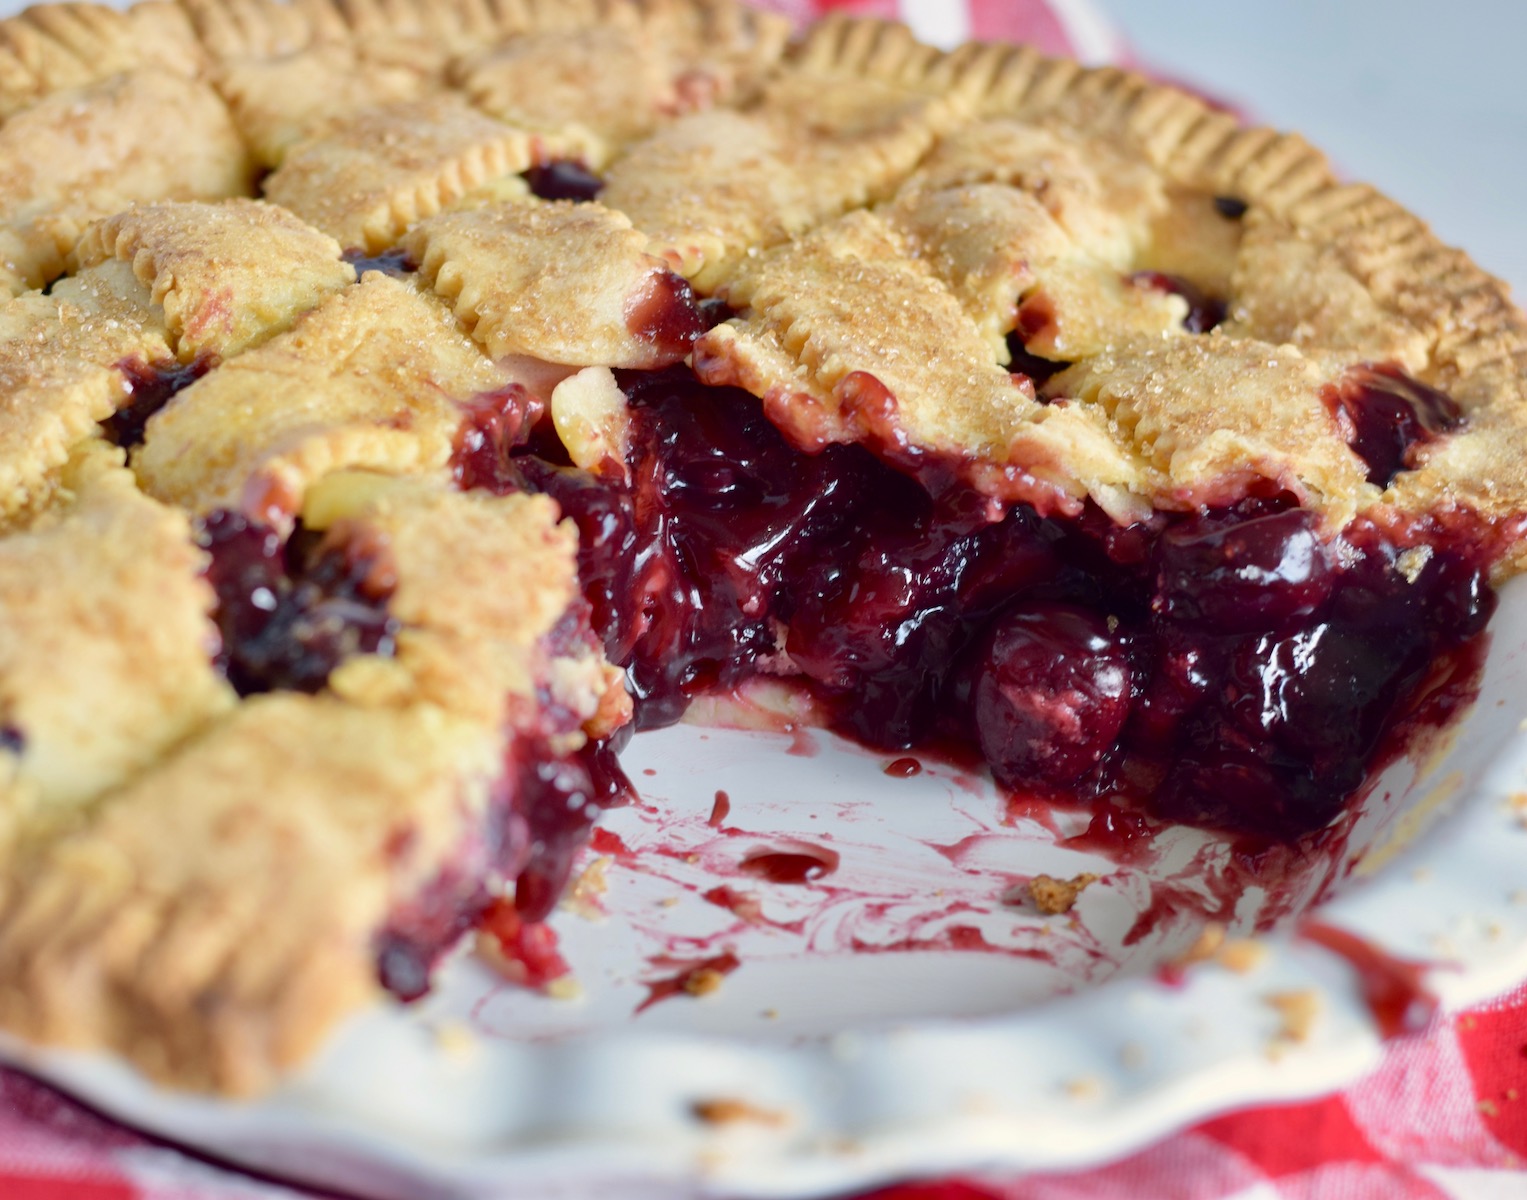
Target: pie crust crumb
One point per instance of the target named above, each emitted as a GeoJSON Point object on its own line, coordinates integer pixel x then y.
{"type": "Point", "coordinates": [1053, 896]}
{"type": "Point", "coordinates": [1297, 1010]}
{"type": "Point", "coordinates": [703, 981]}
{"type": "Point", "coordinates": [728, 1110]}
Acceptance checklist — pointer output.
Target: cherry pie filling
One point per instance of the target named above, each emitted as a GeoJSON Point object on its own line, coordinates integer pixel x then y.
{"type": "Point", "coordinates": [1237, 668]}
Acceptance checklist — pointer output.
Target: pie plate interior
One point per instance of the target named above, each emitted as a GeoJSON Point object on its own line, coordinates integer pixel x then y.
{"type": "Point", "coordinates": [890, 1001]}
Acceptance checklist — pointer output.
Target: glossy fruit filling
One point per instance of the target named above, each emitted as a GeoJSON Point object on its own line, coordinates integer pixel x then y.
{"type": "Point", "coordinates": [1236, 668]}
{"type": "Point", "coordinates": [563, 179]}
{"type": "Point", "coordinates": [1386, 416]}
{"type": "Point", "coordinates": [150, 387]}
{"type": "Point", "coordinates": [537, 820]}
{"type": "Point", "coordinates": [290, 610]}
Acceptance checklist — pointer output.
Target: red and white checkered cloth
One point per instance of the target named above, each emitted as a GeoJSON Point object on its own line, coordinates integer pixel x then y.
{"type": "Point", "coordinates": [1444, 1117]}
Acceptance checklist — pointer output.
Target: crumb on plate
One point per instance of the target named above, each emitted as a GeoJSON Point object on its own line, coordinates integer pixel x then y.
{"type": "Point", "coordinates": [1055, 896]}
{"type": "Point", "coordinates": [1297, 1011]}
{"type": "Point", "coordinates": [728, 1110]}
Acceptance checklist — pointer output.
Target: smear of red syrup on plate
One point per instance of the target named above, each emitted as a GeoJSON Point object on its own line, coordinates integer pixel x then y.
{"type": "Point", "coordinates": [800, 863]}
{"type": "Point", "coordinates": [1392, 988]}
{"type": "Point", "coordinates": [1019, 806]}
{"type": "Point", "coordinates": [747, 908]}
{"type": "Point", "coordinates": [1121, 834]}
{"type": "Point", "coordinates": [602, 841]}
{"type": "Point", "coordinates": [1206, 889]}
{"type": "Point", "coordinates": [903, 768]}
{"type": "Point", "coordinates": [692, 978]}
{"type": "Point", "coordinates": [738, 903]}
{"type": "Point", "coordinates": [956, 937]}
{"type": "Point", "coordinates": [957, 852]}
{"type": "Point", "coordinates": [802, 743]}
{"type": "Point", "coordinates": [964, 938]}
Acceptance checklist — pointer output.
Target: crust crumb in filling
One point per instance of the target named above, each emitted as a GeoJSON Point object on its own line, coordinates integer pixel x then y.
{"type": "Point", "coordinates": [462, 387]}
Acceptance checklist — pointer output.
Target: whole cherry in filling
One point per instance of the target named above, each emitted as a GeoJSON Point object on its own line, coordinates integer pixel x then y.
{"type": "Point", "coordinates": [1051, 694]}
{"type": "Point", "coordinates": [1231, 572]}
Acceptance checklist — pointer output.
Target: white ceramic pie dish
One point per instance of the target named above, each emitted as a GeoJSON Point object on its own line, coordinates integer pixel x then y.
{"type": "Point", "coordinates": [877, 1064]}
{"type": "Point", "coordinates": [847, 1048]}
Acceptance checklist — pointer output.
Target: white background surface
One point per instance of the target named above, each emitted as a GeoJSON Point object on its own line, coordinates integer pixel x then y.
{"type": "Point", "coordinates": [1427, 99]}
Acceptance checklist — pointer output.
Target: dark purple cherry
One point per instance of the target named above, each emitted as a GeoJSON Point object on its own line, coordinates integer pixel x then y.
{"type": "Point", "coordinates": [288, 619]}
{"type": "Point", "coordinates": [1051, 695]}
{"type": "Point", "coordinates": [667, 315]}
{"type": "Point", "coordinates": [563, 179]}
{"type": "Point", "coordinates": [1459, 598]}
{"type": "Point", "coordinates": [390, 262]}
{"type": "Point", "coordinates": [1179, 679]}
{"type": "Point", "coordinates": [1242, 576]}
{"type": "Point", "coordinates": [859, 619]}
{"type": "Point", "coordinates": [418, 936]}
{"type": "Point", "coordinates": [1204, 311]}
{"type": "Point", "coordinates": [558, 799]}
{"type": "Point", "coordinates": [150, 386]}
{"type": "Point", "coordinates": [1323, 693]}
{"type": "Point", "coordinates": [607, 543]}
{"type": "Point", "coordinates": [247, 570]}
{"type": "Point", "coordinates": [1236, 792]}
{"type": "Point", "coordinates": [1384, 415]}
{"type": "Point", "coordinates": [492, 425]}
{"type": "Point", "coordinates": [1006, 561]}
{"type": "Point", "coordinates": [1021, 362]}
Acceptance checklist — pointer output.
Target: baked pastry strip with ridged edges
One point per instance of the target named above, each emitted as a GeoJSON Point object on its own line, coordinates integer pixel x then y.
{"type": "Point", "coordinates": [114, 160]}
{"type": "Point", "coordinates": [367, 179]}
{"type": "Point", "coordinates": [64, 358]}
{"type": "Point", "coordinates": [1430, 308]}
{"type": "Point", "coordinates": [711, 188]}
{"type": "Point", "coordinates": [376, 376]}
{"type": "Point", "coordinates": [277, 102]}
{"type": "Point", "coordinates": [52, 47]}
{"type": "Point", "coordinates": [226, 277]}
{"type": "Point", "coordinates": [611, 85]}
{"type": "Point", "coordinates": [241, 879]}
{"type": "Point", "coordinates": [106, 643]}
{"type": "Point", "coordinates": [563, 283]}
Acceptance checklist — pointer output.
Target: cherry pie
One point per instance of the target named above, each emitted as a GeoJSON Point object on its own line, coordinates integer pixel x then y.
{"type": "Point", "coordinates": [404, 402]}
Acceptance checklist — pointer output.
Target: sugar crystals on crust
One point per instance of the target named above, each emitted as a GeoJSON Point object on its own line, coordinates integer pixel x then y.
{"type": "Point", "coordinates": [374, 377]}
